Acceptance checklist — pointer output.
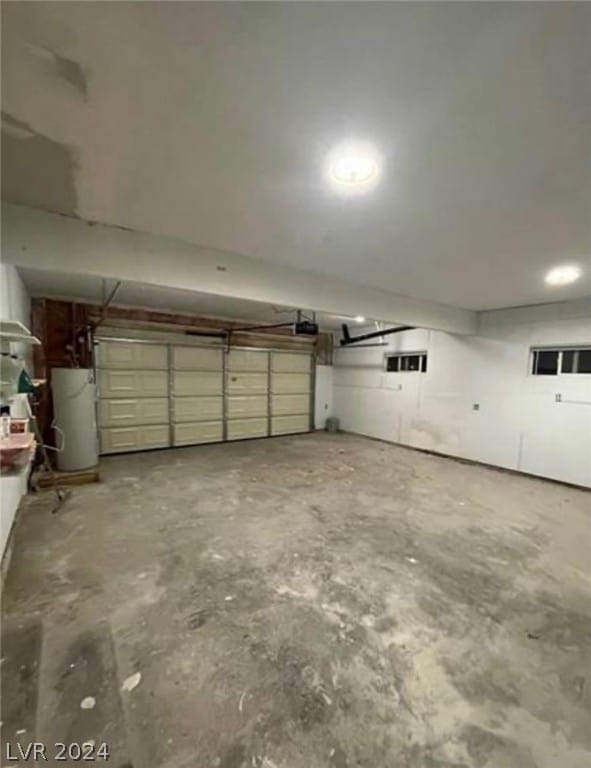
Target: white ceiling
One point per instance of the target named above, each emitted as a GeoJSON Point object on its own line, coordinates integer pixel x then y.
{"type": "Point", "coordinates": [93, 289]}
{"type": "Point", "coordinates": [211, 122]}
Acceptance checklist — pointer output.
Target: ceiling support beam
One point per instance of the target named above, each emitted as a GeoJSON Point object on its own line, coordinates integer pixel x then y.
{"type": "Point", "coordinates": [47, 241]}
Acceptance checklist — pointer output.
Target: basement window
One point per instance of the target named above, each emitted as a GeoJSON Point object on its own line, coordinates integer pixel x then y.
{"type": "Point", "coordinates": [554, 362]}
{"type": "Point", "coordinates": [406, 362]}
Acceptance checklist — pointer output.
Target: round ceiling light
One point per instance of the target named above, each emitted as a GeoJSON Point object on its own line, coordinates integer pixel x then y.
{"type": "Point", "coordinates": [359, 319]}
{"type": "Point", "coordinates": [563, 275]}
{"type": "Point", "coordinates": [353, 167]}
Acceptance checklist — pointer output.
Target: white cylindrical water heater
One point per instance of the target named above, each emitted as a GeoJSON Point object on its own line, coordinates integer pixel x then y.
{"type": "Point", "coordinates": [75, 416]}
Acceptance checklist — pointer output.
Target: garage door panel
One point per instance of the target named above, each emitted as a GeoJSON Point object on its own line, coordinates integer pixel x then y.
{"type": "Point", "coordinates": [244, 406]}
{"type": "Point", "coordinates": [242, 429]}
{"type": "Point", "coordinates": [247, 383]}
{"type": "Point", "coordinates": [135, 411]}
{"type": "Point", "coordinates": [124, 439]}
{"type": "Point", "coordinates": [209, 394]}
{"type": "Point", "coordinates": [248, 360]}
{"type": "Point", "coordinates": [129, 355]}
{"type": "Point", "coordinates": [290, 383]}
{"type": "Point", "coordinates": [196, 359]}
{"type": "Point", "coordinates": [290, 404]}
{"type": "Point", "coordinates": [114, 383]}
{"type": "Point", "coordinates": [197, 383]}
{"type": "Point", "coordinates": [289, 362]}
{"type": "Point", "coordinates": [288, 425]}
{"type": "Point", "coordinates": [197, 433]}
{"type": "Point", "coordinates": [197, 409]}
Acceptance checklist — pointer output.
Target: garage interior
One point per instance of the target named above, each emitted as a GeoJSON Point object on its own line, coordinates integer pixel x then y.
{"type": "Point", "coordinates": [296, 384]}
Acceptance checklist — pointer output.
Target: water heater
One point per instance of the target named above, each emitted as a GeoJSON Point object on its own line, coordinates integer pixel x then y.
{"type": "Point", "coordinates": [75, 415]}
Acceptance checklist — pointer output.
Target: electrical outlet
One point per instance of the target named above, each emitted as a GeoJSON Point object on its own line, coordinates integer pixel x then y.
{"type": "Point", "coordinates": [558, 397]}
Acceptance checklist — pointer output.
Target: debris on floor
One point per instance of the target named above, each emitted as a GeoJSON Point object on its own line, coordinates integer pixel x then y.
{"type": "Point", "coordinates": [131, 682]}
{"type": "Point", "coordinates": [333, 652]}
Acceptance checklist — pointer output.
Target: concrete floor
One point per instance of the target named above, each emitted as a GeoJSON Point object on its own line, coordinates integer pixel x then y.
{"type": "Point", "coordinates": [302, 602]}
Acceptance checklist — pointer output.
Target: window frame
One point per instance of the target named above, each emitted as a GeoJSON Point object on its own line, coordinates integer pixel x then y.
{"type": "Point", "coordinates": [422, 356]}
{"type": "Point", "coordinates": [560, 350]}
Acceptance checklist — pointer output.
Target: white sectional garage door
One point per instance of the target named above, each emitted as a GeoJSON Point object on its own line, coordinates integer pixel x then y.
{"type": "Point", "coordinates": [290, 387]}
{"type": "Point", "coordinates": [247, 394]}
{"type": "Point", "coordinates": [197, 390]}
{"type": "Point", "coordinates": [133, 407]}
{"type": "Point", "coordinates": [159, 395]}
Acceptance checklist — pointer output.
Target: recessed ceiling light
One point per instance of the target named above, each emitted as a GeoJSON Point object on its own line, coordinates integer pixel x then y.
{"type": "Point", "coordinates": [563, 275]}
{"type": "Point", "coordinates": [359, 319]}
{"type": "Point", "coordinates": [353, 167]}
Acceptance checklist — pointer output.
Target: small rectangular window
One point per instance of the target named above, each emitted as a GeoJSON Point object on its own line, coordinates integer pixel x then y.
{"type": "Point", "coordinates": [553, 362]}
{"type": "Point", "coordinates": [407, 362]}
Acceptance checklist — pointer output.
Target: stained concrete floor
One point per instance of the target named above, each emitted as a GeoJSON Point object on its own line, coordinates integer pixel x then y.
{"type": "Point", "coordinates": [303, 602]}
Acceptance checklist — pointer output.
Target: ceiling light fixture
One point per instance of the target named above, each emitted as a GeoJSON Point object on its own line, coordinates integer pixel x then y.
{"type": "Point", "coordinates": [563, 275]}
{"type": "Point", "coordinates": [353, 167]}
{"type": "Point", "coordinates": [359, 319]}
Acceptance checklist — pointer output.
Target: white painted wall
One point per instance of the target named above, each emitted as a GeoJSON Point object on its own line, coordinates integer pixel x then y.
{"type": "Point", "coordinates": [519, 424]}
{"type": "Point", "coordinates": [15, 304]}
{"type": "Point", "coordinates": [323, 398]}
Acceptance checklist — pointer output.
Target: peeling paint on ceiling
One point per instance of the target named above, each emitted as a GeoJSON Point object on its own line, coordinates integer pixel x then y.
{"type": "Point", "coordinates": [68, 69]}
{"type": "Point", "coordinates": [36, 170]}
